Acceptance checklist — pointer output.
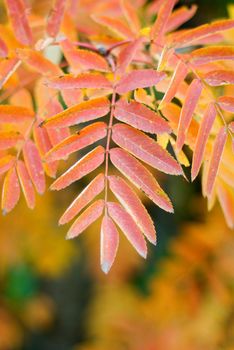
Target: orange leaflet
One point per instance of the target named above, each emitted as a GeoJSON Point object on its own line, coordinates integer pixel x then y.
{"type": "Point", "coordinates": [204, 30]}
{"type": "Point", "coordinates": [219, 77]}
{"type": "Point", "coordinates": [128, 227]}
{"type": "Point", "coordinates": [84, 166]}
{"type": "Point", "coordinates": [83, 59]}
{"type": "Point", "coordinates": [133, 205]}
{"type": "Point", "coordinates": [34, 166]}
{"type": "Point", "coordinates": [140, 117]}
{"type": "Point", "coordinates": [109, 243]}
{"type": "Point", "coordinates": [127, 54]}
{"type": "Point", "coordinates": [85, 137]}
{"type": "Point", "coordinates": [38, 62]}
{"type": "Point", "coordinates": [55, 18]}
{"type": "Point", "coordinates": [94, 188]}
{"type": "Point", "coordinates": [212, 53]}
{"type": "Point", "coordinates": [131, 15]}
{"type": "Point", "coordinates": [9, 139]}
{"type": "Point", "coordinates": [3, 48]}
{"type": "Point", "coordinates": [140, 78]}
{"type": "Point", "coordinates": [15, 114]}
{"type": "Point", "coordinates": [26, 184]}
{"type": "Point", "coordinates": [140, 177]}
{"type": "Point", "coordinates": [17, 13]}
{"type": "Point", "coordinates": [159, 26]}
{"type": "Point", "coordinates": [179, 17]}
{"type": "Point", "coordinates": [226, 103]}
{"type": "Point", "coordinates": [81, 81]}
{"type": "Point", "coordinates": [114, 24]}
{"type": "Point", "coordinates": [83, 112]}
{"type": "Point", "coordinates": [6, 162]}
{"type": "Point", "coordinates": [202, 137]}
{"type": "Point", "coordinates": [10, 191]}
{"type": "Point", "coordinates": [145, 148]}
{"type": "Point", "coordinates": [226, 200]}
{"type": "Point", "coordinates": [7, 67]}
{"type": "Point", "coordinates": [178, 76]}
{"type": "Point", "coordinates": [215, 159]}
{"type": "Point", "coordinates": [90, 215]}
{"type": "Point", "coordinates": [186, 115]}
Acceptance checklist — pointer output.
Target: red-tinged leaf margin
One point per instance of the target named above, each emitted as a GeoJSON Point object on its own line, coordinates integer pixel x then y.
{"type": "Point", "coordinates": [55, 18]}
{"type": "Point", "coordinates": [10, 191]}
{"type": "Point", "coordinates": [109, 243]}
{"type": "Point", "coordinates": [26, 184]}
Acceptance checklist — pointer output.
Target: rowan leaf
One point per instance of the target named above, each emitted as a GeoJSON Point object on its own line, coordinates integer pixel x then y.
{"type": "Point", "coordinates": [83, 112]}
{"type": "Point", "coordinates": [140, 177]}
{"type": "Point", "coordinates": [226, 202]}
{"type": "Point", "coordinates": [55, 18]}
{"type": "Point", "coordinates": [226, 103]}
{"type": "Point", "coordinates": [128, 227]}
{"type": "Point", "coordinates": [179, 17]}
{"type": "Point", "coordinates": [190, 102]}
{"type": "Point", "coordinates": [219, 77]}
{"type": "Point", "coordinates": [115, 25]}
{"type": "Point", "coordinates": [130, 14]}
{"type": "Point", "coordinates": [6, 162]}
{"type": "Point", "coordinates": [202, 137]}
{"type": "Point", "coordinates": [94, 188]}
{"type": "Point", "coordinates": [82, 167]}
{"type": "Point", "coordinates": [211, 54]}
{"type": "Point", "coordinates": [85, 137]}
{"type": "Point", "coordinates": [10, 191]}
{"type": "Point", "coordinates": [7, 67]}
{"type": "Point", "coordinates": [109, 243]}
{"type": "Point", "coordinates": [140, 117]}
{"type": "Point", "coordinates": [140, 78]}
{"type": "Point", "coordinates": [145, 148]}
{"type": "Point", "coordinates": [15, 114]}
{"type": "Point", "coordinates": [127, 54]}
{"type": "Point", "coordinates": [9, 139]}
{"type": "Point", "coordinates": [26, 184]}
{"type": "Point", "coordinates": [133, 205]}
{"type": "Point", "coordinates": [91, 214]}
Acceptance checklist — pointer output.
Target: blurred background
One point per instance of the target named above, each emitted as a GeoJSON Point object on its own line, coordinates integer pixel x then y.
{"type": "Point", "coordinates": [53, 295]}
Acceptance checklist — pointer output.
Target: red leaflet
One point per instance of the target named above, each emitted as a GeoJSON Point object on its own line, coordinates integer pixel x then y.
{"type": "Point", "coordinates": [10, 191]}
{"type": "Point", "coordinates": [131, 16]}
{"type": "Point", "coordinates": [17, 14]}
{"type": "Point", "coordinates": [178, 76]}
{"type": "Point", "coordinates": [7, 67]}
{"type": "Point", "coordinates": [90, 215]}
{"type": "Point", "coordinates": [3, 48]}
{"type": "Point", "coordinates": [140, 177]}
{"type": "Point", "coordinates": [226, 103]}
{"type": "Point", "coordinates": [6, 162]}
{"type": "Point", "coordinates": [202, 137]}
{"type": "Point", "coordinates": [34, 166]}
{"type": "Point", "coordinates": [186, 115]}
{"type": "Point", "coordinates": [26, 184]}
{"type": "Point", "coordinates": [114, 24]}
{"type": "Point", "coordinates": [81, 81]}
{"type": "Point", "coordinates": [226, 201]}
{"type": "Point", "coordinates": [128, 53]}
{"type": "Point", "coordinates": [219, 77]}
{"type": "Point", "coordinates": [215, 159]}
{"type": "Point", "coordinates": [83, 112]}
{"type": "Point", "coordinates": [9, 139]}
{"type": "Point", "coordinates": [55, 18]}
{"type": "Point", "coordinates": [84, 166]}
{"type": "Point", "coordinates": [140, 117]}
{"type": "Point", "coordinates": [130, 201]}
{"type": "Point", "coordinates": [109, 243]}
{"type": "Point", "coordinates": [159, 27]}
{"type": "Point", "coordinates": [179, 17]}
{"type": "Point", "coordinates": [140, 78]}
{"type": "Point", "coordinates": [212, 53]}
{"type": "Point", "coordinates": [38, 62]}
{"type": "Point", "coordinates": [14, 114]}
{"type": "Point", "coordinates": [189, 36]}
{"type": "Point", "coordinates": [145, 148]}
{"type": "Point", "coordinates": [95, 187]}
{"type": "Point", "coordinates": [128, 226]}
{"type": "Point", "coordinates": [87, 136]}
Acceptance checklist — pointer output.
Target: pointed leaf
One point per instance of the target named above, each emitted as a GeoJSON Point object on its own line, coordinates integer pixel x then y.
{"type": "Point", "coordinates": [133, 205]}
{"type": "Point", "coordinates": [202, 137]}
{"type": "Point", "coordinates": [85, 137]}
{"type": "Point", "coordinates": [145, 148]}
{"type": "Point", "coordinates": [140, 117]}
{"type": "Point", "coordinates": [6, 162]}
{"type": "Point", "coordinates": [127, 54]}
{"type": "Point", "coordinates": [212, 53]}
{"type": "Point", "coordinates": [219, 77]}
{"type": "Point", "coordinates": [159, 27]}
{"type": "Point", "coordinates": [83, 112]}
{"type": "Point", "coordinates": [226, 200]}
{"type": "Point", "coordinates": [55, 18]}
{"type": "Point", "coordinates": [109, 243]}
{"type": "Point", "coordinates": [140, 177]}
{"type": "Point", "coordinates": [115, 25]}
{"type": "Point", "coordinates": [26, 184]}
{"type": "Point", "coordinates": [130, 14]}
{"type": "Point", "coordinates": [14, 114]}
{"type": "Point", "coordinates": [84, 166]}
{"type": "Point", "coordinates": [90, 215]}
{"type": "Point", "coordinates": [180, 16]}
{"type": "Point", "coordinates": [226, 103]}
{"type": "Point", "coordinates": [140, 78]}
{"type": "Point", "coordinates": [9, 139]}
{"type": "Point", "coordinates": [10, 191]}
{"type": "Point", "coordinates": [128, 226]}
{"type": "Point", "coordinates": [94, 188]}
{"type": "Point", "coordinates": [7, 67]}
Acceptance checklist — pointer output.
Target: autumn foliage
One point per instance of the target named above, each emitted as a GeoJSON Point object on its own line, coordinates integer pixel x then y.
{"type": "Point", "coordinates": [164, 94]}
